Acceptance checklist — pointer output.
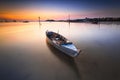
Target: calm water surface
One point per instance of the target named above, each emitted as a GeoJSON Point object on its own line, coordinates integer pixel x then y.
{"type": "Point", "coordinates": [25, 54]}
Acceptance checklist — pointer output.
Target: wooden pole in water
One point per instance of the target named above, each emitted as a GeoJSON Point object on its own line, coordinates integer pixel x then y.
{"type": "Point", "coordinates": [39, 20]}
{"type": "Point", "coordinates": [69, 18]}
{"type": "Point", "coordinates": [69, 25]}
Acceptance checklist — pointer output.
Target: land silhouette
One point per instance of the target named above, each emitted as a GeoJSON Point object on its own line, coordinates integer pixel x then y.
{"type": "Point", "coordinates": [92, 20]}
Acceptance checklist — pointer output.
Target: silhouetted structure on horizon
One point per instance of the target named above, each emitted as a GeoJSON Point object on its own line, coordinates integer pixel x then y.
{"type": "Point", "coordinates": [91, 20]}
{"type": "Point", "coordinates": [50, 20]}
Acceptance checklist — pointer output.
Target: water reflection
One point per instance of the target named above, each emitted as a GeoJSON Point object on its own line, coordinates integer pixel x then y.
{"type": "Point", "coordinates": [25, 54]}
{"type": "Point", "coordinates": [64, 58]}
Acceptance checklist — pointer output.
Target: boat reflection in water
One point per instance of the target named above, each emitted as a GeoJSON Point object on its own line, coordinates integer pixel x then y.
{"type": "Point", "coordinates": [62, 44]}
{"type": "Point", "coordinates": [64, 59]}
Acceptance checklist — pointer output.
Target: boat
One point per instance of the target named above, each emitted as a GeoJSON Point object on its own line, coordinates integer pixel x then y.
{"type": "Point", "coordinates": [94, 22]}
{"type": "Point", "coordinates": [25, 21]}
{"type": "Point", "coordinates": [62, 44]}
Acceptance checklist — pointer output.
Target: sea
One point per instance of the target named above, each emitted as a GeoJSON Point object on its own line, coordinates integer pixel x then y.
{"type": "Point", "coordinates": [26, 55]}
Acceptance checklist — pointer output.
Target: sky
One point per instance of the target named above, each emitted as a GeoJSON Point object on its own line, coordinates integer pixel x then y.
{"type": "Point", "coordinates": [58, 9]}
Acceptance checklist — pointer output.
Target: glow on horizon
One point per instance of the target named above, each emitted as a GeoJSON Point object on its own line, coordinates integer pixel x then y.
{"type": "Point", "coordinates": [32, 13]}
{"type": "Point", "coordinates": [57, 14]}
{"type": "Point", "coordinates": [56, 11]}
{"type": "Point", "coordinates": [47, 13]}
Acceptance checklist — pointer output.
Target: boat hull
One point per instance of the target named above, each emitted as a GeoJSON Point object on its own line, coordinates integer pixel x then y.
{"type": "Point", "coordinates": [67, 51]}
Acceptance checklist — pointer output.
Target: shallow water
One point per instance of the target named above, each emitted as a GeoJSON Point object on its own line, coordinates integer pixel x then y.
{"type": "Point", "coordinates": [25, 54]}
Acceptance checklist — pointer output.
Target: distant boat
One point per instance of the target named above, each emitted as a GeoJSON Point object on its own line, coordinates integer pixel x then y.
{"type": "Point", "coordinates": [94, 22]}
{"type": "Point", "coordinates": [25, 21]}
{"type": "Point", "coordinates": [62, 44]}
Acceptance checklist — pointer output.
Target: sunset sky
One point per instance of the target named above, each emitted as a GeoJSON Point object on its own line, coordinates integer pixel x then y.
{"type": "Point", "coordinates": [58, 9]}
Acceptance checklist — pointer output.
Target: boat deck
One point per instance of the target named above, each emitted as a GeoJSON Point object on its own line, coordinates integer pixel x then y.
{"type": "Point", "coordinates": [58, 39]}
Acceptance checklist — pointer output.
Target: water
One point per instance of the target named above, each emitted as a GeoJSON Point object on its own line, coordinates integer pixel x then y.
{"type": "Point", "coordinates": [25, 54]}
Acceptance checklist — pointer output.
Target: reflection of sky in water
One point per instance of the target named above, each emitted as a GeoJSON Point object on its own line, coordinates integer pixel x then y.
{"type": "Point", "coordinates": [25, 54]}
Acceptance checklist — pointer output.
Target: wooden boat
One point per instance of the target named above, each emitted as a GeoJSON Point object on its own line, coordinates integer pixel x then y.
{"type": "Point", "coordinates": [62, 44]}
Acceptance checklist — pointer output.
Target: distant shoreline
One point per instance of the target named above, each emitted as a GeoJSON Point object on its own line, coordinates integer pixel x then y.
{"type": "Point", "coordinates": [89, 20]}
